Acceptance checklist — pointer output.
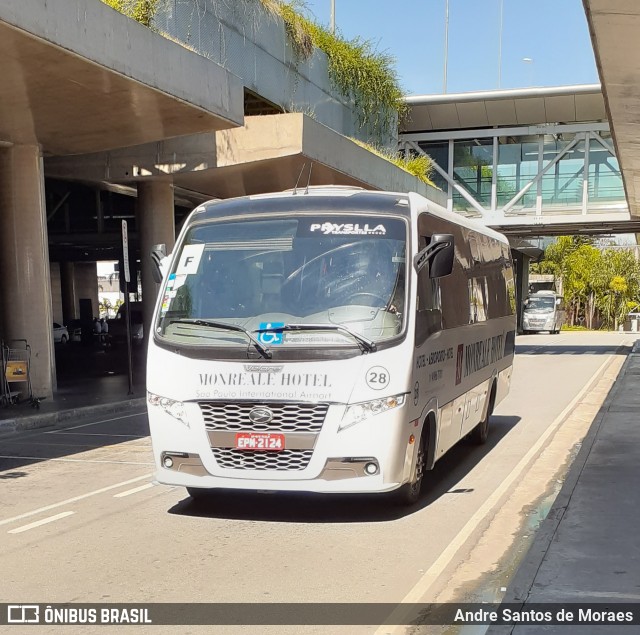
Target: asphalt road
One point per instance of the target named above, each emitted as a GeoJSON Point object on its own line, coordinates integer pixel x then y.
{"type": "Point", "coordinates": [81, 520]}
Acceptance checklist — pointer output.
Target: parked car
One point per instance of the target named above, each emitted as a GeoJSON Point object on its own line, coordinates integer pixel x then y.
{"type": "Point", "coordinates": [60, 334]}
{"type": "Point", "coordinates": [117, 333]}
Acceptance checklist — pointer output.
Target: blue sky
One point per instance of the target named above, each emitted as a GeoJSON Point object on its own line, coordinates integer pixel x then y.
{"type": "Point", "coordinates": [552, 33]}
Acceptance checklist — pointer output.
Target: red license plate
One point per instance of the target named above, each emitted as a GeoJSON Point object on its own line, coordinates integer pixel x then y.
{"type": "Point", "coordinates": [260, 441]}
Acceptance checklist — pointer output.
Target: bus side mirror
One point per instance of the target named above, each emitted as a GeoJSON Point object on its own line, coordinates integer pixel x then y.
{"type": "Point", "coordinates": [439, 254]}
{"type": "Point", "coordinates": [158, 262]}
{"type": "Point", "coordinates": [442, 258]}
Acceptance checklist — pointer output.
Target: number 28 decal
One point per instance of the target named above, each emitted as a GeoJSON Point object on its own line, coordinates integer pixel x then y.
{"type": "Point", "coordinates": [378, 378]}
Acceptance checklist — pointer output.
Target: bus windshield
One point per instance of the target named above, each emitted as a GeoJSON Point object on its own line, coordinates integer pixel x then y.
{"type": "Point", "coordinates": [541, 304]}
{"type": "Point", "coordinates": [287, 281]}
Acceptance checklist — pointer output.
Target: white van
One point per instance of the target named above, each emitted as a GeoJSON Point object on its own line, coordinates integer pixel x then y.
{"type": "Point", "coordinates": [338, 340]}
{"type": "Point", "coordinates": [543, 311]}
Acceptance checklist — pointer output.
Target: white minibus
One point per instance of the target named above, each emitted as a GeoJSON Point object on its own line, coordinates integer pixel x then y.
{"type": "Point", "coordinates": [331, 340]}
{"type": "Point", "coordinates": [543, 311]}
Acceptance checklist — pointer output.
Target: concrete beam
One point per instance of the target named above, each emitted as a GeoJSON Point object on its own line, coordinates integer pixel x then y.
{"type": "Point", "coordinates": [269, 152]}
{"type": "Point", "coordinates": [124, 165]}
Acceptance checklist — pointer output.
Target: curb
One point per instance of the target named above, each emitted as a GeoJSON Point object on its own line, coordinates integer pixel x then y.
{"type": "Point", "coordinates": [49, 419]}
{"type": "Point", "coordinates": [520, 587]}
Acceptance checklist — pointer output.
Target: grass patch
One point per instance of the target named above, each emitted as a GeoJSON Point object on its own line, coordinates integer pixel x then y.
{"type": "Point", "coordinates": [420, 166]}
{"type": "Point", "coordinates": [140, 10]}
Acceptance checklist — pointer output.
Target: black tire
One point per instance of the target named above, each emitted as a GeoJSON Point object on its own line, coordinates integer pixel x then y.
{"type": "Point", "coordinates": [480, 434]}
{"type": "Point", "coordinates": [199, 494]}
{"type": "Point", "coordinates": [63, 340]}
{"type": "Point", "coordinates": [408, 494]}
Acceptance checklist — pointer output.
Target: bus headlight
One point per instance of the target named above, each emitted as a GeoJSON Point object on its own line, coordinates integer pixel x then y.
{"type": "Point", "coordinates": [170, 406]}
{"type": "Point", "coordinates": [360, 411]}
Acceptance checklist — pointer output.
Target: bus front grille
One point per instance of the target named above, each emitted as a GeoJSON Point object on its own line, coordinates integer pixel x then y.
{"type": "Point", "coordinates": [284, 461]}
{"type": "Point", "coordinates": [285, 417]}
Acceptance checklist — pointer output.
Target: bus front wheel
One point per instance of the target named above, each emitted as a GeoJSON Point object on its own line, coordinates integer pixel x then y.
{"type": "Point", "coordinates": [409, 493]}
{"type": "Point", "coordinates": [198, 493]}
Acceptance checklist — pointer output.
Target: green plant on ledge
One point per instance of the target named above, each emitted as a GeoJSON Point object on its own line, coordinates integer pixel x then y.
{"type": "Point", "coordinates": [355, 68]}
{"type": "Point", "coordinates": [360, 73]}
{"type": "Point", "coordinates": [140, 10]}
{"type": "Point", "coordinates": [420, 166]}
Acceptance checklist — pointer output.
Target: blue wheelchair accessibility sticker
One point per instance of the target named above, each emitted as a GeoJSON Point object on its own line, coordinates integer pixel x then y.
{"type": "Point", "coordinates": [271, 337]}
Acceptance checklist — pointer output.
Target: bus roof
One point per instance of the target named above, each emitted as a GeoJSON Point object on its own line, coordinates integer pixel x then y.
{"type": "Point", "coordinates": [346, 199]}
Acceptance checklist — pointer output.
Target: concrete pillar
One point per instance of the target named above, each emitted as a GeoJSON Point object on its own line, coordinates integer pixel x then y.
{"type": "Point", "coordinates": [521, 262]}
{"type": "Point", "coordinates": [56, 293]}
{"type": "Point", "coordinates": [156, 224]}
{"type": "Point", "coordinates": [24, 262]}
{"type": "Point", "coordinates": [68, 292]}
{"type": "Point", "coordinates": [86, 284]}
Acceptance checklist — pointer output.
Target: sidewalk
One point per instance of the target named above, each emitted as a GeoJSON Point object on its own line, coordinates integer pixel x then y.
{"type": "Point", "coordinates": [91, 382]}
{"type": "Point", "coordinates": [587, 550]}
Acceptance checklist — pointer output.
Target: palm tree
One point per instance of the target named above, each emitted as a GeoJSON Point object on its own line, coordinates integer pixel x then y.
{"type": "Point", "coordinates": [105, 307]}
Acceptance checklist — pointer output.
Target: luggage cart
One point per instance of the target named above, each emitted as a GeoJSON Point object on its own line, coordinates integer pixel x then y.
{"type": "Point", "coordinates": [8, 396]}
{"type": "Point", "coordinates": [17, 369]}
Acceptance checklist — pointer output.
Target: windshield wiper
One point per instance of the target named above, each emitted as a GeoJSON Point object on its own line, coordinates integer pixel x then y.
{"type": "Point", "coordinates": [368, 345]}
{"type": "Point", "coordinates": [263, 350]}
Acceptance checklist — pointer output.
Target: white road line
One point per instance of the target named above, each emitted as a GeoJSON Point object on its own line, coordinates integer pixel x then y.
{"type": "Point", "coordinates": [44, 458]}
{"type": "Point", "coordinates": [38, 523]}
{"type": "Point", "coordinates": [6, 521]}
{"type": "Point", "coordinates": [420, 589]}
{"type": "Point", "coordinates": [95, 423]}
{"type": "Point", "coordinates": [100, 434]}
{"type": "Point", "coordinates": [134, 490]}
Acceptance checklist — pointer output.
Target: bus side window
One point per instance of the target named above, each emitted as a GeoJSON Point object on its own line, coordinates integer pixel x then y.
{"type": "Point", "coordinates": [428, 310]}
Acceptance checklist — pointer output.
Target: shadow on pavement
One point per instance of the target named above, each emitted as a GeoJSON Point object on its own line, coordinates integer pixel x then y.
{"type": "Point", "coordinates": [34, 446]}
{"type": "Point", "coordinates": [87, 376]}
{"type": "Point", "coordinates": [531, 348]}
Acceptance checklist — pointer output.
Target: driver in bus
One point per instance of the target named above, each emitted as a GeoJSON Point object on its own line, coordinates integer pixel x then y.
{"type": "Point", "coordinates": [386, 281]}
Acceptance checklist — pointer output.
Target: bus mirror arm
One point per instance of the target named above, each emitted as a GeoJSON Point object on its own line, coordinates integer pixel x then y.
{"type": "Point", "coordinates": [439, 253]}
{"type": "Point", "coordinates": [158, 262]}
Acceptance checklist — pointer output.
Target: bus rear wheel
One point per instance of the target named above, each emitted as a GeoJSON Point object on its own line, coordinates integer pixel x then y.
{"type": "Point", "coordinates": [480, 433]}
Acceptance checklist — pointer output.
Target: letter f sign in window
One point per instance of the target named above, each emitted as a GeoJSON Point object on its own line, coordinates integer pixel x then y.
{"type": "Point", "coordinates": [190, 259]}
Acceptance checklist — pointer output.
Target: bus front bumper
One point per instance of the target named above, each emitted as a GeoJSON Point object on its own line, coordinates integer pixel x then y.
{"type": "Point", "coordinates": [347, 461]}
